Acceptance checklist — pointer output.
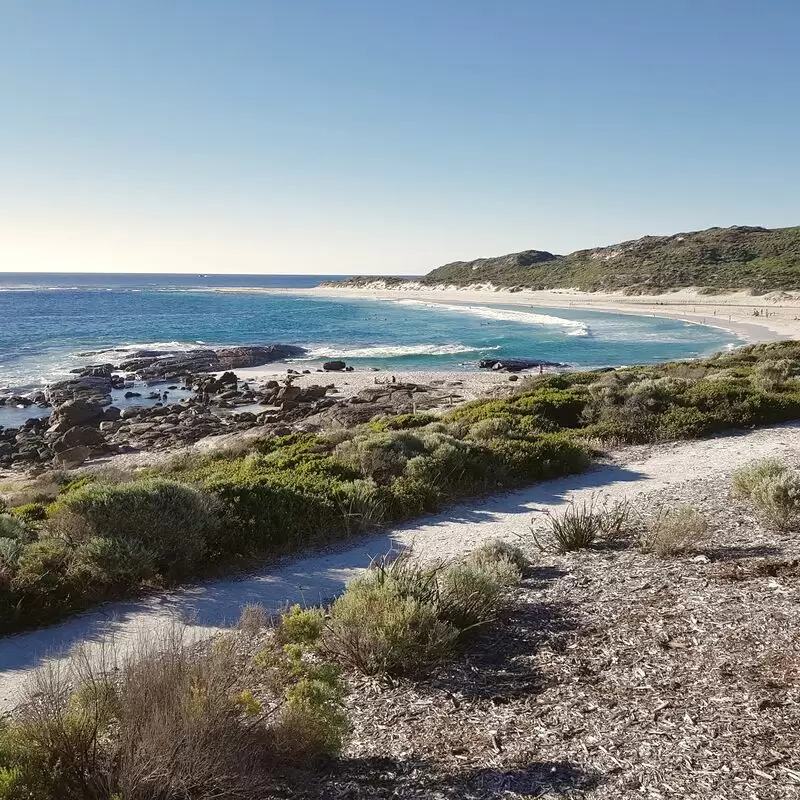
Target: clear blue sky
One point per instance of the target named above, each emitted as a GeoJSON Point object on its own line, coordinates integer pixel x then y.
{"type": "Point", "coordinates": [343, 136]}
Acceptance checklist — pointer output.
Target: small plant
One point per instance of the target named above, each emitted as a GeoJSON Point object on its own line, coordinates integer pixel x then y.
{"type": "Point", "coordinates": [253, 618]}
{"type": "Point", "coordinates": [777, 497]}
{"type": "Point", "coordinates": [674, 530]}
{"type": "Point", "coordinates": [31, 512]}
{"type": "Point", "coordinates": [581, 525]}
{"type": "Point", "coordinates": [471, 595]}
{"type": "Point", "coordinates": [13, 528]}
{"type": "Point", "coordinates": [746, 478]}
{"type": "Point", "coordinates": [301, 626]}
{"type": "Point", "coordinates": [773, 488]}
{"type": "Point", "coordinates": [376, 628]}
{"type": "Point", "coordinates": [497, 550]}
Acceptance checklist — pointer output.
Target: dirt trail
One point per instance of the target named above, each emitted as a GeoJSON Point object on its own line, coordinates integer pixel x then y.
{"type": "Point", "coordinates": [211, 606]}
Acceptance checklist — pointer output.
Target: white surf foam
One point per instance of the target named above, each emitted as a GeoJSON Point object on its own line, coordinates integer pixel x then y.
{"type": "Point", "coordinates": [574, 327]}
{"type": "Point", "coordinates": [391, 351]}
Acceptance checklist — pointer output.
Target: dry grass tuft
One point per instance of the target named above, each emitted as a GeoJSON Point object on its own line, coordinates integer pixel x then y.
{"type": "Point", "coordinates": [674, 530]}
{"type": "Point", "coordinates": [582, 525]}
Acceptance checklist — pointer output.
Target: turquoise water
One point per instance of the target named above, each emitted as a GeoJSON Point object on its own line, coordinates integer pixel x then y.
{"type": "Point", "coordinates": [49, 320]}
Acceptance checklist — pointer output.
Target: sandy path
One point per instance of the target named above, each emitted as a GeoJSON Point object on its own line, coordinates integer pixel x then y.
{"type": "Point", "coordinates": [309, 579]}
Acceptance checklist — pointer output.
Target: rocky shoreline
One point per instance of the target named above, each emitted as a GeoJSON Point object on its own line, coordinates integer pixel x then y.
{"type": "Point", "coordinates": [84, 424]}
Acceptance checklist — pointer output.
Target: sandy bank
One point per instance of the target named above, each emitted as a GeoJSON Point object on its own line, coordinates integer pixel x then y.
{"type": "Point", "coordinates": [757, 318]}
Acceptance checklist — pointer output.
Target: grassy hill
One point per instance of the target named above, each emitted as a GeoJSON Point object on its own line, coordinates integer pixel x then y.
{"type": "Point", "coordinates": [720, 259]}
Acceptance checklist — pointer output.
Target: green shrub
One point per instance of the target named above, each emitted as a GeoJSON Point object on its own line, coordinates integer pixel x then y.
{"type": "Point", "coordinates": [777, 498]}
{"type": "Point", "coordinates": [685, 423]}
{"type": "Point", "coordinates": [104, 564]}
{"type": "Point", "coordinates": [171, 521]}
{"type": "Point", "coordinates": [471, 594]}
{"type": "Point", "coordinates": [375, 629]}
{"type": "Point", "coordinates": [12, 527]}
{"type": "Point", "coordinates": [746, 478]}
{"type": "Point", "coordinates": [31, 512]}
{"type": "Point", "coordinates": [301, 626]}
{"type": "Point", "coordinates": [497, 550]}
{"type": "Point", "coordinates": [408, 421]}
{"type": "Point", "coordinates": [42, 567]}
{"type": "Point", "coordinates": [770, 376]}
{"type": "Point", "coordinates": [673, 531]}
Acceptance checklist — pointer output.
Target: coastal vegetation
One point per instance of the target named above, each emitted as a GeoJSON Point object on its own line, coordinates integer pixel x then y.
{"type": "Point", "coordinates": [231, 719]}
{"type": "Point", "coordinates": [716, 259]}
{"type": "Point", "coordinates": [101, 536]}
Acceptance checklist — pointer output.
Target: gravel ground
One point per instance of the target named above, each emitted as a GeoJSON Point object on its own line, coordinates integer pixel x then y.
{"type": "Point", "coordinates": [616, 674]}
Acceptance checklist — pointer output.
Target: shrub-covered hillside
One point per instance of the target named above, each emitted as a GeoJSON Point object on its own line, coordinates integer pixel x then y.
{"type": "Point", "coordinates": [95, 538]}
{"type": "Point", "coordinates": [718, 258]}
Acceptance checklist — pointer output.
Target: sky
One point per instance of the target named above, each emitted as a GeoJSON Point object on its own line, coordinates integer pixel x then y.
{"type": "Point", "coordinates": [385, 136]}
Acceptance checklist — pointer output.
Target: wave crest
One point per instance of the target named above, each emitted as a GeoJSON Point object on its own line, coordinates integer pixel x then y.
{"type": "Point", "coordinates": [392, 351]}
{"type": "Point", "coordinates": [575, 328]}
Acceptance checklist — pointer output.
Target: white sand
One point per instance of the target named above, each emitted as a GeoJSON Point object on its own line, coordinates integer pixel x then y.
{"type": "Point", "coordinates": [464, 384]}
{"type": "Point", "coordinates": [733, 312]}
{"type": "Point", "coordinates": [309, 579]}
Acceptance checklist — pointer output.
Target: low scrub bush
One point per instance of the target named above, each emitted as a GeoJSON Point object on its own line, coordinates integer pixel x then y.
{"type": "Point", "coordinates": [774, 490]}
{"type": "Point", "coordinates": [170, 520]}
{"type": "Point", "coordinates": [674, 530]}
{"type": "Point", "coordinates": [376, 628]}
{"type": "Point", "coordinates": [498, 550]}
{"type": "Point", "coordinates": [582, 525]}
{"type": "Point", "coordinates": [172, 722]}
{"type": "Point", "coordinates": [401, 616]}
{"type": "Point", "coordinates": [31, 512]}
{"type": "Point", "coordinates": [746, 478]}
{"type": "Point", "coordinates": [777, 498]}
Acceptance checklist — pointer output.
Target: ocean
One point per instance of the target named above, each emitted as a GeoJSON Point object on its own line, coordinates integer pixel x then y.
{"type": "Point", "coordinates": [48, 320]}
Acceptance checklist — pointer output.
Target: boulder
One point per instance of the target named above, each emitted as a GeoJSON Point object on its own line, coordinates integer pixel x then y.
{"type": "Point", "coordinates": [516, 364]}
{"type": "Point", "coordinates": [111, 414]}
{"type": "Point", "coordinates": [334, 366]}
{"type": "Point", "coordinates": [79, 436]}
{"type": "Point", "coordinates": [239, 357]}
{"type": "Point", "coordinates": [78, 412]}
{"type": "Point", "coordinates": [71, 458]}
{"type": "Point", "coordinates": [95, 371]}
{"type": "Point", "coordinates": [91, 388]}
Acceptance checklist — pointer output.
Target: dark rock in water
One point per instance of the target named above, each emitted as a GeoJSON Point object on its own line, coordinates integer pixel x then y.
{"type": "Point", "coordinates": [131, 395]}
{"type": "Point", "coordinates": [96, 389]}
{"type": "Point", "coordinates": [240, 357]}
{"type": "Point", "coordinates": [153, 364]}
{"type": "Point", "coordinates": [516, 364]}
{"type": "Point", "coordinates": [95, 371]}
{"type": "Point", "coordinates": [334, 366]}
{"type": "Point", "coordinates": [150, 364]}
{"type": "Point", "coordinates": [16, 400]}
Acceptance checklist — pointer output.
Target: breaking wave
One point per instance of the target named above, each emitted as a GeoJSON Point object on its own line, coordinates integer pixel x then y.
{"type": "Point", "coordinates": [574, 327]}
{"type": "Point", "coordinates": [392, 351]}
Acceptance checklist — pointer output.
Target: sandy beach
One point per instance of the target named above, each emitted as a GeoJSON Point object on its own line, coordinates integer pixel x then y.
{"type": "Point", "coordinates": [757, 318]}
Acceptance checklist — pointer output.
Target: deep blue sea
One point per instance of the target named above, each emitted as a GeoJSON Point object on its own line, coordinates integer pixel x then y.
{"type": "Point", "coordinates": [46, 320]}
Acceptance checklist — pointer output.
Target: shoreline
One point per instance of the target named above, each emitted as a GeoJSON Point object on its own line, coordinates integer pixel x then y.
{"type": "Point", "coordinates": [783, 321]}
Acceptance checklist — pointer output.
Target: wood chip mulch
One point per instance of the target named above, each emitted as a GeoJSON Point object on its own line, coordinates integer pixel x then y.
{"type": "Point", "coordinates": [615, 674]}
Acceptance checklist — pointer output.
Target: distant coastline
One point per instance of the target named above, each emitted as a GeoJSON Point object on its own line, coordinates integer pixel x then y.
{"type": "Point", "coordinates": [778, 318]}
